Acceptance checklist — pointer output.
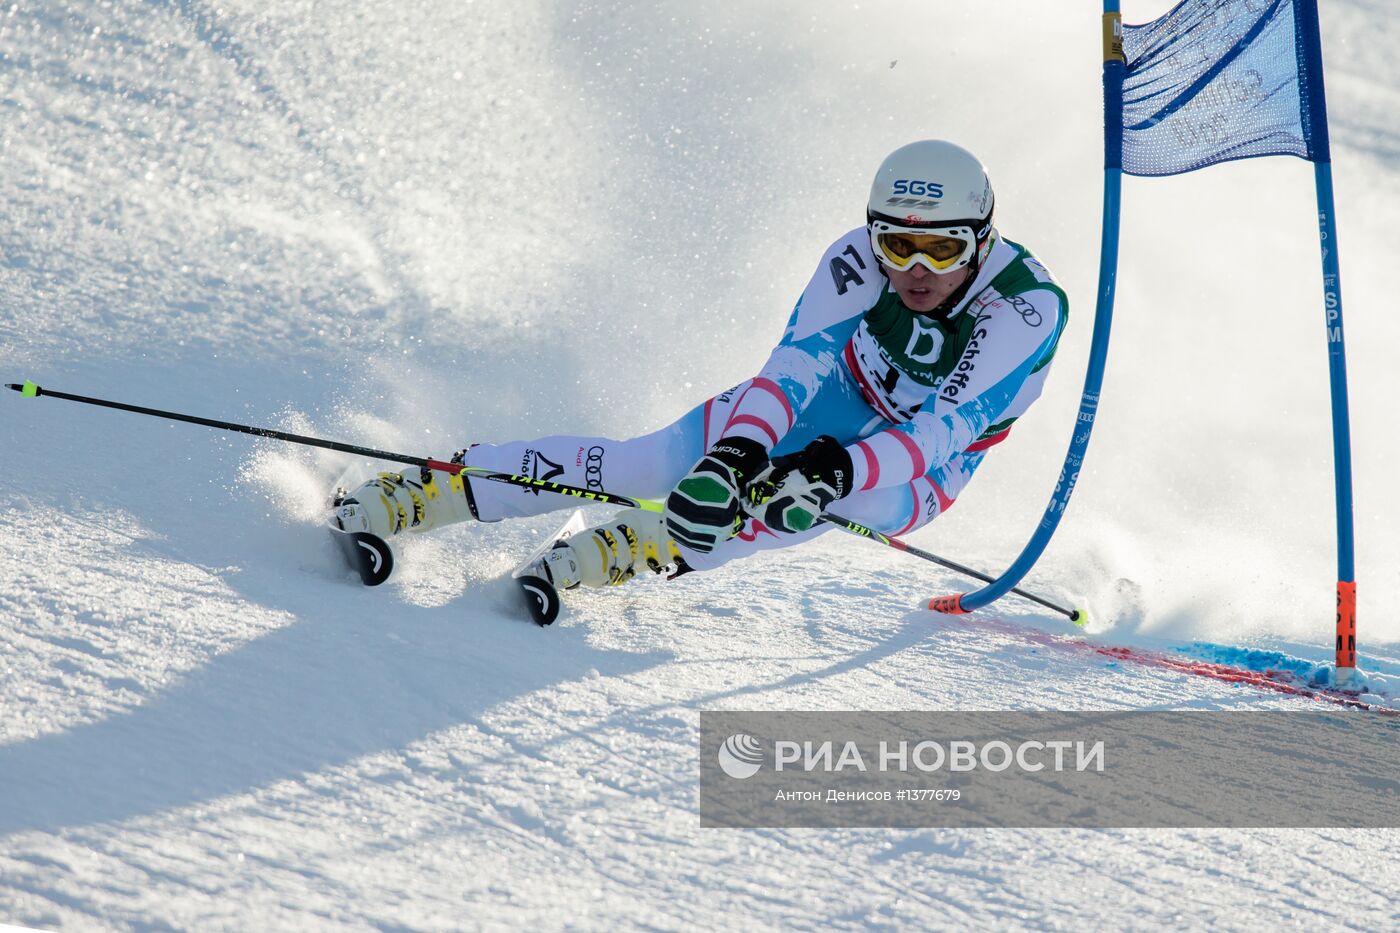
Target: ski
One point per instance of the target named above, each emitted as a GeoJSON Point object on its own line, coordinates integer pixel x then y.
{"type": "Point", "coordinates": [541, 598]}
{"type": "Point", "coordinates": [538, 592]}
{"type": "Point", "coordinates": [369, 555]}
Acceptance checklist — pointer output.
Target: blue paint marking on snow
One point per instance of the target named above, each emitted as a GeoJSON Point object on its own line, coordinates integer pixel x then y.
{"type": "Point", "coordinates": [1255, 659]}
{"type": "Point", "coordinates": [1301, 670]}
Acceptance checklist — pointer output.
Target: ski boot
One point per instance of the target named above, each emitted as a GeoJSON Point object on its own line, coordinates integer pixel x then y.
{"type": "Point", "coordinates": [608, 554]}
{"type": "Point", "coordinates": [415, 500]}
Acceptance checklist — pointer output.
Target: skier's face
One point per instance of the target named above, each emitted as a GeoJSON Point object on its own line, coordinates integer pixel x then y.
{"type": "Point", "coordinates": [922, 290]}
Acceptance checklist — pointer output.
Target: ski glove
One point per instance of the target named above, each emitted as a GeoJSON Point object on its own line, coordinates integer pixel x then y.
{"type": "Point", "coordinates": [793, 492]}
{"type": "Point", "coordinates": [703, 511]}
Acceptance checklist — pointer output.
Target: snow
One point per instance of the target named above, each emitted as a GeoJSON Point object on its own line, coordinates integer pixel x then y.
{"type": "Point", "coordinates": [417, 225]}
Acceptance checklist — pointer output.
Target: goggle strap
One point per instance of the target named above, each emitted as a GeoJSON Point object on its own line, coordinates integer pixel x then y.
{"type": "Point", "coordinates": [978, 225]}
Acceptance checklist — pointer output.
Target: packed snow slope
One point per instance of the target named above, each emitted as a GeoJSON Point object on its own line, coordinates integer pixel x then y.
{"type": "Point", "coordinates": [417, 225]}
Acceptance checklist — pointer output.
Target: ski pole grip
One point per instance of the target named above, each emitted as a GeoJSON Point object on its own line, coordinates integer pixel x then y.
{"type": "Point", "coordinates": [27, 389]}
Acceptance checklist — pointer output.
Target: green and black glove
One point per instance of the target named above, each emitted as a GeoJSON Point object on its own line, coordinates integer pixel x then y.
{"type": "Point", "coordinates": [795, 490]}
{"type": "Point", "coordinates": [703, 510]}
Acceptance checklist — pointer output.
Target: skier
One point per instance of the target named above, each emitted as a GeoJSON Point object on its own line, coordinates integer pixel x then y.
{"type": "Point", "coordinates": [919, 339]}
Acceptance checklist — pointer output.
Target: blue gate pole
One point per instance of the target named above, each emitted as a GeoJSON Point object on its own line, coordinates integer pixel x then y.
{"type": "Point", "coordinates": [1113, 70]}
{"type": "Point", "coordinates": [1308, 41]}
{"type": "Point", "coordinates": [1341, 423]}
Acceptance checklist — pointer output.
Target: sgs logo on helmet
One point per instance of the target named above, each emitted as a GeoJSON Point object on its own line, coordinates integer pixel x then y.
{"type": "Point", "coordinates": [740, 756]}
{"type": "Point", "coordinates": [919, 189]}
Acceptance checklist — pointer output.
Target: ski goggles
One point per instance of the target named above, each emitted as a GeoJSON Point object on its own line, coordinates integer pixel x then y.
{"type": "Point", "coordinates": [943, 251]}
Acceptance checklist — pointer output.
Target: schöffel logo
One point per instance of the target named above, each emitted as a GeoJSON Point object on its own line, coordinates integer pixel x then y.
{"type": "Point", "coordinates": [741, 756]}
{"type": "Point", "coordinates": [539, 467]}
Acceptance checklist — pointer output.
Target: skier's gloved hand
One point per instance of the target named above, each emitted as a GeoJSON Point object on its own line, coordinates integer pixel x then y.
{"type": "Point", "coordinates": [703, 510]}
{"type": "Point", "coordinates": [797, 488]}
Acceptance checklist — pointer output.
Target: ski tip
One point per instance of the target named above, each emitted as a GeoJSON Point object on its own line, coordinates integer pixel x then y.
{"type": "Point", "coordinates": [368, 554]}
{"type": "Point", "coordinates": [1079, 617]}
{"type": "Point", "coordinates": [541, 598]}
{"type": "Point", "coordinates": [376, 561]}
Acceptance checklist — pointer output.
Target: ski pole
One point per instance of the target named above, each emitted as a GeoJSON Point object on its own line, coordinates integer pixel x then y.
{"type": "Point", "coordinates": [30, 390]}
{"type": "Point", "coordinates": [1077, 616]}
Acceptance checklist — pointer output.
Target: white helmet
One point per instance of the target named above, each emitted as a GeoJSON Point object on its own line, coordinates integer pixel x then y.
{"type": "Point", "coordinates": [931, 192]}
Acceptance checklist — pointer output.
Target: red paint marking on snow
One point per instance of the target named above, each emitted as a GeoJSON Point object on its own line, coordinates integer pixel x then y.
{"type": "Point", "coordinates": [1271, 680]}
